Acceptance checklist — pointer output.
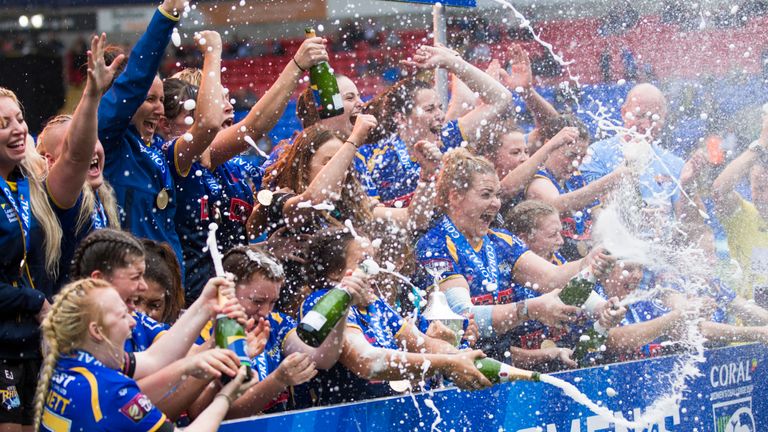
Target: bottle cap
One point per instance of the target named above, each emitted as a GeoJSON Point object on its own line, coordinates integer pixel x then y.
{"type": "Point", "coordinates": [310, 32]}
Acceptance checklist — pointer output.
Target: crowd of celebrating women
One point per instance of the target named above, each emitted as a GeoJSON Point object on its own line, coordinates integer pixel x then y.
{"type": "Point", "coordinates": [109, 294]}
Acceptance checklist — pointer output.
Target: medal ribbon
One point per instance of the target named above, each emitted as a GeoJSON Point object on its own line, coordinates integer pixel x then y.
{"type": "Point", "coordinates": [99, 217]}
{"type": "Point", "coordinates": [22, 207]}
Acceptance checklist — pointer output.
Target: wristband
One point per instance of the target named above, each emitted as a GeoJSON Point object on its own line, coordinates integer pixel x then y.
{"type": "Point", "coordinates": [522, 310]}
{"type": "Point", "coordinates": [227, 397]}
{"type": "Point", "coordinates": [298, 66]}
{"type": "Point", "coordinates": [353, 143]}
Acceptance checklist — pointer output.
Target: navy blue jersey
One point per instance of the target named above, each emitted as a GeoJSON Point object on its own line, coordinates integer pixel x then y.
{"type": "Point", "coordinates": [146, 332]}
{"type": "Point", "coordinates": [380, 325]}
{"type": "Point", "coordinates": [22, 263]}
{"type": "Point", "coordinates": [224, 196]}
{"type": "Point", "coordinates": [488, 269]}
{"type": "Point", "coordinates": [85, 395]}
{"type": "Point", "coordinates": [137, 170]}
{"type": "Point", "coordinates": [389, 173]}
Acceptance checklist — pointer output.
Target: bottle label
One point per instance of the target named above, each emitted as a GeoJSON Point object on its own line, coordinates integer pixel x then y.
{"type": "Point", "coordinates": [504, 373]}
{"type": "Point", "coordinates": [593, 301]}
{"type": "Point", "coordinates": [337, 102]}
{"type": "Point", "coordinates": [314, 319]}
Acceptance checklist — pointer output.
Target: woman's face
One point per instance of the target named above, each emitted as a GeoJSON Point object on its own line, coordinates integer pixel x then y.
{"type": "Point", "coordinates": [129, 280]}
{"type": "Point", "coordinates": [563, 162]}
{"type": "Point", "coordinates": [511, 153]}
{"type": "Point", "coordinates": [545, 239]}
{"type": "Point", "coordinates": [13, 134]}
{"type": "Point", "coordinates": [427, 117]}
{"type": "Point", "coordinates": [117, 322]}
{"type": "Point", "coordinates": [350, 97]}
{"type": "Point", "coordinates": [151, 302]}
{"type": "Point", "coordinates": [322, 156]}
{"type": "Point", "coordinates": [258, 295]}
{"type": "Point", "coordinates": [476, 208]}
{"type": "Point", "coordinates": [149, 114]}
{"type": "Point", "coordinates": [623, 279]}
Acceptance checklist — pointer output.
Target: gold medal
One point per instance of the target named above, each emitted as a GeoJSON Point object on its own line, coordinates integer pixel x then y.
{"type": "Point", "coordinates": [162, 199]}
{"type": "Point", "coordinates": [548, 343]}
{"type": "Point", "coordinates": [264, 197]}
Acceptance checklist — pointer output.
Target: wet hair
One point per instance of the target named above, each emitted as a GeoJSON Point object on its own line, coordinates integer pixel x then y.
{"type": "Point", "coordinates": [190, 75]}
{"type": "Point", "coordinates": [246, 261]}
{"type": "Point", "coordinates": [399, 98]}
{"type": "Point", "coordinates": [524, 218]}
{"type": "Point", "coordinates": [105, 250]}
{"type": "Point", "coordinates": [292, 171]}
{"type": "Point", "coordinates": [105, 192]}
{"type": "Point", "coordinates": [459, 169]}
{"type": "Point", "coordinates": [551, 126]}
{"type": "Point", "coordinates": [64, 329]}
{"type": "Point", "coordinates": [489, 141]}
{"type": "Point", "coordinates": [163, 268]}
{"type": "Point", "coordinates": [327, 255]}
{"type": "Point", "coordinates": [35, 168]}
{"type": "Point", "coordinates": [177, 92]}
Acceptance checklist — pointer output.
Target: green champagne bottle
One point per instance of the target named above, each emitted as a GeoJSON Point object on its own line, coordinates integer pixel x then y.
{"type": "Point", "coordinates": [591, 345]}
{"type": "Point", "coordinates": [318, 323]}
{"type": "Point", "coordinates": [580, 292]}
{"type": "Point", "coordinates": [230, 335]}
{"type": "Point", "coordinates": [498, 372]}
{"type": "Point", "coordinates": [324, 87]}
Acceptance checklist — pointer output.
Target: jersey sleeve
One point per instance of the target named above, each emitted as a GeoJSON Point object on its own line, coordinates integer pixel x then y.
{"type": "Point", "coordinates": [594, 165]}
{"type": "Point", "coordinates": [154, 329]}
{"type": "Point", "coordinates": [514, 247]}
{"type": "Point", "coordinates": [387, 317]}
{"type": "Point", "coordinates": [360, 164]}
{"type": "Point", "coordinates": [451, 136]}
{"type": "Point", "coordinates": [171, 154]}
{"type": "Point", "coordinates": [282, 325]}
{"type": "Point", "coordinates": [126, 408]}
{"type": "Point", "coordinates": [436, 253]}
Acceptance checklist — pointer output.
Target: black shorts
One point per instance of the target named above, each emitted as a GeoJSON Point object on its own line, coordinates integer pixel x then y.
{"type": "Point", "coordinates": [18, 382]}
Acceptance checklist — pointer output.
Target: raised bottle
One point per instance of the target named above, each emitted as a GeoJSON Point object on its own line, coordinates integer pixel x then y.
{"type": "Point", "coordinates": [318, 323]}
{"type": "Point", "coordinates": [324, 87]}
{"type": "Point", "coordinates": [580, 291]}
{"type": "Point", "coordinates": [498, 372]}
{"type": "Point", "coordinates": [230, 335]}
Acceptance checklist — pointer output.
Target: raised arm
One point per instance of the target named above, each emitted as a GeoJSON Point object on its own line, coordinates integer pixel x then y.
{"type": "Point", "coordinates": [519, 178]}
{"type": "Point", "coordinates": [120, 102]}
{"type": "Point", "coordinates": [67, 175]}
{"type": "Point", "coordinates": [463, 100]}
{"type": "Point", "coordinates": [521, 80]}
{"type": "Point", "coordinates": [626, 339]}
{"type": "Point", "coordinates": [496, 98]}
{"type": "Point", "coordinates": [543, 190]}
{"type": "Point", "coordinates": [264, 115]}
{"type": "Point", "coordinates": [209, 114]}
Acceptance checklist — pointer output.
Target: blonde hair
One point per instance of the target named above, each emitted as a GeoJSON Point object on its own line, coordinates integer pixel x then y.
{"type": "Point", "coordinates": [459, 168]}
{"type": "Point", "coordinates": [105, 192]}
{"type": "Point", "coordinates": [35, 168]}
{"type": "Point", "coordinates": [64, 329]}
{"type": "Point", "coordinates": [190, 75]}
{"type": "Point", "coordinates": [524, 218]}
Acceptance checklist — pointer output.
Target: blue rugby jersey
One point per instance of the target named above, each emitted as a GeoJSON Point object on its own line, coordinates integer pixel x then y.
{"type": "Point", "coordinates": [441, 249]}
{"type": "Point", "coordinates": [380, 325]}
{"type": "Point", "coordinates": [20, 301]}
{"type": "Point", "coordinates": [137, 170]}
{"type": "Point", "coordinates": [146, 332]}
{"type": "Point", "coordinates": [224, 196]}
{"type": "Point", "coordinates": [389, 173]}
{"type": "Point", "coordinates": [85, 395]}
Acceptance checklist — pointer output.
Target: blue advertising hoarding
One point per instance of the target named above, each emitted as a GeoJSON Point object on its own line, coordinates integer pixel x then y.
{"type": "Point", "coordinates": [730, 395]}
{"type": "Point", "coordinates": [457, 3]}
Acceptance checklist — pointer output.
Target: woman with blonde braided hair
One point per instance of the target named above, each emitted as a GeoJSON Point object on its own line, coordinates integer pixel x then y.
{"type": "Point", "coordinates": [81, 386]}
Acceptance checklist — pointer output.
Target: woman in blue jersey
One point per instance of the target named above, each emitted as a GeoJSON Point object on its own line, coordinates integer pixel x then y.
{"type": "Point", "coordinates": [559, 183]}
{"type": "Point", "coordinates": [411, 112]}
{"type": "Point", "coordinates": [478, 266]}
{"type": "Point", "coordinates": [81, 385]}
{"type": "Point", "coordinates": [31, 242]}
{"type": "Point", "coordinates": [128, 115]}
{"type": "Point", "coordinates": [536, 345]}
{"type": "Point", "coordinates": [221, 185]}
{"type": "Point", "coordinates": [81, 198]}
{"type": "Point", "coordinates": [379, 344]}
{"type": "Point", "coordinates": [163, 300]}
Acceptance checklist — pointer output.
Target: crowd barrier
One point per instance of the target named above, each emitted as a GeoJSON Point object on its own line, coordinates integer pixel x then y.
{"type": "Point", "coordinates": [729, 395]}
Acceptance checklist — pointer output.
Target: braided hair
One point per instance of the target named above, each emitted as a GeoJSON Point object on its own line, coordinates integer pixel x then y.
{"type": "Point", "coordinates": [64, 330]}
{"type": "Point", "coordinates": [105, 250]}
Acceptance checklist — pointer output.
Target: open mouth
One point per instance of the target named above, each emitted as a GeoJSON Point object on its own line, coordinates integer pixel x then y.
{"type": "Point", "coordinates": [487, 218]}
{"type": "Point", "coordinates": [93, 168]}
{"type": "Point", "coordinates": [228, 122]}
{"type": "Point", "coordinates": [150, 124]}
{"type": "Point", "coordinates": [16, 145]}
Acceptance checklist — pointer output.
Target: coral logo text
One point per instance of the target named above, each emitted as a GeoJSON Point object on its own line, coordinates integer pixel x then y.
{"type": "Point", "coordinates": [734, 373]}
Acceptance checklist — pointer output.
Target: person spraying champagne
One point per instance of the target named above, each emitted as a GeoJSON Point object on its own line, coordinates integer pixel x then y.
{"type": "Point", "coordinates": [324, 87]}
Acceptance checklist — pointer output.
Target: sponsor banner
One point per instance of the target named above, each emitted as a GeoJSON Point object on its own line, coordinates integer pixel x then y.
{"type": "Point", "coordinates": [730, 395]}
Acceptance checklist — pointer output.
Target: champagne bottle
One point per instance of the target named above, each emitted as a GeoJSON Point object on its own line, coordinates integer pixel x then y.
{"type": "Point", "coordinates": [230, 335]}
{"type": "Point", "coordinates": [318, 323]}
{"type": "Point", "coordinates": [324, 87]}
{"type": "Point", "coordinates": [589, 349]}
{"type": "Point", "coordinates": [580, 292]}
{"type": "Point", "coordinates": [498, 372]}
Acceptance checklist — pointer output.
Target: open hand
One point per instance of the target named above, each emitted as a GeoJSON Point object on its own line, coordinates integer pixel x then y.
{"type": "Point", "coordinates": [99, 74]}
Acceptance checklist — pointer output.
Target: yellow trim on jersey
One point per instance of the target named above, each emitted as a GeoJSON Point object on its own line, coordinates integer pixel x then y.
{"type": "Point", "coordinates": [451, 248]}
{"type": "Point", "coordinates": [55, 422]}
{"type": "Point", "coordinates": [282, 344]}
{"type": "Point", "coordinates": [355, 327]}
{"type": "Point", "coordinates": [94, 390]}
{"type": "Point", "coordinates": [205, 333]}
{"type": "Point", "coordinates": [168, 15]}
{"type": "Point", "coordinates": [555, 260]}
{"type": "Point", "coordinates": [514, 268]}
{"type": "Point", "coordinates": [399, 332]}
{"type": "Point", "coordinates": [12, 184]}
{"type": "Point", "coordinates": [53, 200]}
{"type": "Point", "coordinates": [159, 423]}
{"type": "Point", "coordinates": [157, 336]}
{"type": "Point", "coordinates": [506, 237]}
{"type": "Point", "coordinates": [461, 132]}
{"type": "Point", "coordinates": [176, 160]}
{"type": "Point", "coordinates": [371, 164]}
{"type": "Point", "coordinates": [276, 316]}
